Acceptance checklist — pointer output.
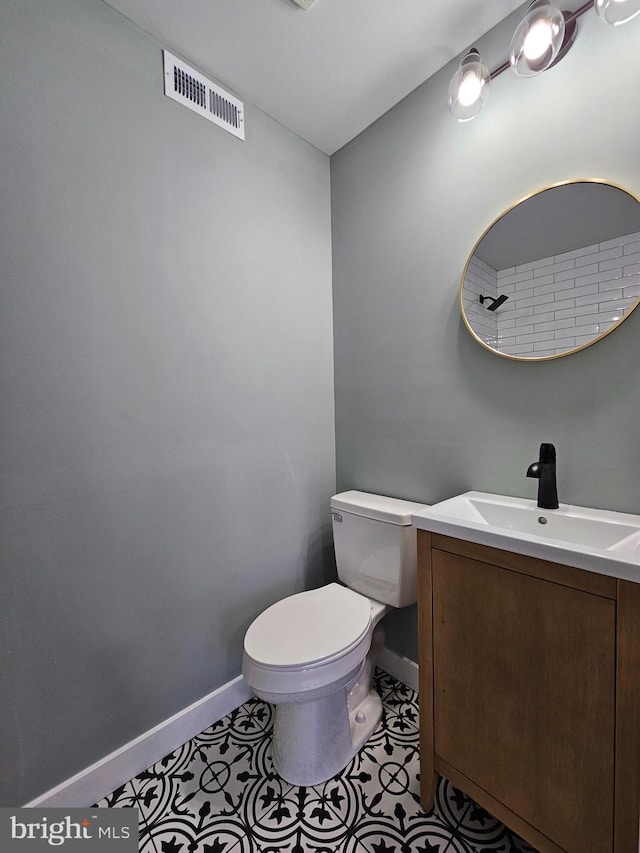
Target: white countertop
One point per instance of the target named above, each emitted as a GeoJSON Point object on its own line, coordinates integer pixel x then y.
{"type": "Point", "coordinates": [596, 540]}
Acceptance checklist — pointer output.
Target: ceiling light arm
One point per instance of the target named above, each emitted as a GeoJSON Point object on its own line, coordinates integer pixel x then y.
{"type": "Point", "coordinates": [542, 38]}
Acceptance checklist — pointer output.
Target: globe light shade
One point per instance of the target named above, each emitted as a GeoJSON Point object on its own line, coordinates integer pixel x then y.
{"type": "Point", "coordinates": [617, 11]}
{"type": "Point", "coordinates": [469, 87]}
{"type": "Point", "coordinates": [537, 41]}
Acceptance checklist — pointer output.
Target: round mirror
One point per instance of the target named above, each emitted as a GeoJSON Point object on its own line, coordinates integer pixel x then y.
{"type": "Point", "coordinates": [554, 273]}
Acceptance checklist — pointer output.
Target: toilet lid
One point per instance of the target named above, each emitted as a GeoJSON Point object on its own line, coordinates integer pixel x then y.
{"type": "Point", "coordinates": [309, 627]}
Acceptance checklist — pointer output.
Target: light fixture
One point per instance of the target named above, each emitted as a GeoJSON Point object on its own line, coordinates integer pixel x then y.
{"type": "Point", "coordinates": [537, 42]}
{"type": "Point", "coordinates": [617, 11]}
{"type": "Point", "coordinates": [469, 87]}
{"type": "Point", "coordinates": [540, 41]}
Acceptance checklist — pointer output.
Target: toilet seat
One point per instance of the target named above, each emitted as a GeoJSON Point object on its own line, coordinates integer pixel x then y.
{"type": "Point", "coordinates": [309, 628]}
{"type": "Point", "coordinates": [307, 641]}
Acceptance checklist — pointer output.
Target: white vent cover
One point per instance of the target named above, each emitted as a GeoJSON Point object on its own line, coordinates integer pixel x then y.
{"type": "Point", "coordinates": [193, 90]}
{"type": "Point", "coordinates": [304, 3]}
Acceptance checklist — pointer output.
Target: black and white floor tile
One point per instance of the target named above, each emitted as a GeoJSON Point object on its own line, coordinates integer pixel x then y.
{"type": "Point", "coordinates": [219, 793]}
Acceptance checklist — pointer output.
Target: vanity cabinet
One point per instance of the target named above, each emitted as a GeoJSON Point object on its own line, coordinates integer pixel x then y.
{"type": "Point", "coordinates": [529, 693]}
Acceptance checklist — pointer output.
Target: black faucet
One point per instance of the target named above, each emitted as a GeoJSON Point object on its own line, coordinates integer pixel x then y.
{"type": "Point", "coordinates": [545, 472]}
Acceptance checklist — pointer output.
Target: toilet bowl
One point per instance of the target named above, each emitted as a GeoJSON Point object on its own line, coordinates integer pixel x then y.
{"type": "Point", "coordinates": [312, 654]}
{"type": "Point", "coordinates": [314, 680]}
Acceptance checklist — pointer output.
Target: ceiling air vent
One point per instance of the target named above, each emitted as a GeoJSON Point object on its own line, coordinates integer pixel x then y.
{"type": "Point", "coordinates": [193, 90]}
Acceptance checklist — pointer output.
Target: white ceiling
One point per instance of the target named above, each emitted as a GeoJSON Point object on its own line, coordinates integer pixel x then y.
{"type": "Point", "coordinates": [325, 73]}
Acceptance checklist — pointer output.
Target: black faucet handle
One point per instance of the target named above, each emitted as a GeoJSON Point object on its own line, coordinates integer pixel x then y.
{"type": "Point", "coordinates": [547, 453]}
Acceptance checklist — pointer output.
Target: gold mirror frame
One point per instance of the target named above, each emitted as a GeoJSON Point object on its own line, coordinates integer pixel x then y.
{"type": "Point", "coordinates": [597, 336]}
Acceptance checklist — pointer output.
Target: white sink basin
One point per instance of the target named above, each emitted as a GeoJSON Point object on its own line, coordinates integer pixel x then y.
{"type": "Point", "coordinates": [593, 539]}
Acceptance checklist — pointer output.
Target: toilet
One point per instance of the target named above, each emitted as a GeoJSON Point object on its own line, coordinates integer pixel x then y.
{"type": "Point", "coordinates": [312, 654]}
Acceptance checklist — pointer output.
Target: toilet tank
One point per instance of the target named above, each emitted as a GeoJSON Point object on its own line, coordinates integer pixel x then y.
{"type": "Point", "coordinates": [375, 546]}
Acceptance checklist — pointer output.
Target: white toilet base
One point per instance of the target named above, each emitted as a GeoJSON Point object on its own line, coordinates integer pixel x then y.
{"type": "Point", "coordinates": [312, 741]}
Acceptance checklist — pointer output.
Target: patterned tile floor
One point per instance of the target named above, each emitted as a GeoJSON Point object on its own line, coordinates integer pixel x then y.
{"type": "Point", "coordinates": [218, 793]}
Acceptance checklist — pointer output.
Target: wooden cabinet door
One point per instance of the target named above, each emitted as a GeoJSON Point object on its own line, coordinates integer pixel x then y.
{"type": "Point", "coordinates": [524, 696]}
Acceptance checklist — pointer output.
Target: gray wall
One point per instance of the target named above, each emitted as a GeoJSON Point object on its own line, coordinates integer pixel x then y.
{"type": "Point", "coordinates": [422, 411]}
{"type": "Point", "coordinates": [166, 387]}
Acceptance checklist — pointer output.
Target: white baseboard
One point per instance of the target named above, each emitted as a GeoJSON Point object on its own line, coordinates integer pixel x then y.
{"type": "Point", "coordinates": [98, 780]}
{"type": "Point", "coordinates": [107, 774]}
{"type": "Point", "coordinates": [399, 667]}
